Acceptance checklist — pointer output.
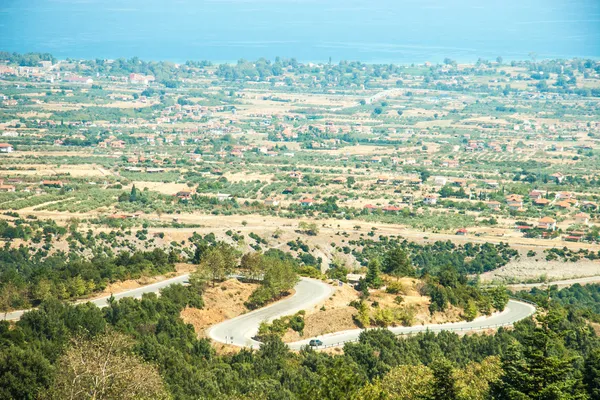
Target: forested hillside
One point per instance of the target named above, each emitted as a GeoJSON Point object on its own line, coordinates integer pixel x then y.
{"type": "Point", "coordinates": [61, 351]}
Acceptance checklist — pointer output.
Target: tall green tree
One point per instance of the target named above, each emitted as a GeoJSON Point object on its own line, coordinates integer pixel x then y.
{"type": "Point", "coordinates": [444, 380]}
{"type": "Point", "coordinates": [216, 263]}
{"type": "Point", "coordinates": [373, 277]}
{"type": "Point", "coordinates": [133, 195]}
{"type": "Point", "coordinates": [540, 368]}
{"type": "Point", "coordinates": [591, 374]}
{"type": "Point", "coordinates": [396, 263]}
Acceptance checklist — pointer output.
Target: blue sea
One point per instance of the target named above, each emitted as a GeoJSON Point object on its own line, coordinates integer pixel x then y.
{"type": "Point", "coordinates": [375, 31]}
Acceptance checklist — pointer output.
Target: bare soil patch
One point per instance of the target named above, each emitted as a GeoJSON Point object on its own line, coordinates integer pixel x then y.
{"type": "Point", "coordinates": [524, 270]}
{"type": "Point", "coordinates": [221, 302]}
{"type": "Point", "coordinates": [337, 315]}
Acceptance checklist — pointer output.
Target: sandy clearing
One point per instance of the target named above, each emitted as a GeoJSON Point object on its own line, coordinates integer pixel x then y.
{"type": "Point", "coordinates": [221, 302]}
{"type": "Point", "coordinates": [526, 269]}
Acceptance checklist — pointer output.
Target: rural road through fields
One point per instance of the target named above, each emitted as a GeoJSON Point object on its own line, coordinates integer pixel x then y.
{"type": "Point", "coordinates": [103, 301]}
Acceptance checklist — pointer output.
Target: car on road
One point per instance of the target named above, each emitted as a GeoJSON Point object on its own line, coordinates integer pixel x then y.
{"type": "Point", "coordinates": [315, 343]}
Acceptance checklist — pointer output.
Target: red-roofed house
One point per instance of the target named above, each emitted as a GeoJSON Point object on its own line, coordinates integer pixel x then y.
{"type": "Point", "coordinates": [547, 223]}
{"type": "Point", "coordinates": [307, 202]}
{"type": "Point", "coordinates": [430, 199]}
{"type": "Point", "coordinates": [6, 148]}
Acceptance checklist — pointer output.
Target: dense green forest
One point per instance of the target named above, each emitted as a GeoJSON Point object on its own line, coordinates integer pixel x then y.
{"type": "Point", "coordinates": [555, 355]}
{"type": "Point", "coordinates": [29, 277]}
{"type": "Point", "coordinates": [62, 351]}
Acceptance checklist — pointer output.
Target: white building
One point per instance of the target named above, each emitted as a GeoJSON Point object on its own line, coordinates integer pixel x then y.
{"type": "Point", "coordinates": [6, 148]}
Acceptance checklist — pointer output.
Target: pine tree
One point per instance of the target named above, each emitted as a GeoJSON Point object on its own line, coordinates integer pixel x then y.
{"type": "Point", "coordinates": [133, 194]}
{"type": "Point", "coordinates": [591, 374]}
{"type": "Point", "coordinates": [444, 380]}
{"type": "Point", "coordinates": [470, 311]}
{"type": "Point", "coordinates": [373, 279]}
{"type": "Point", "coordinates": [396, 263]}
{"type": "Point", "coordinates": [364, 315]}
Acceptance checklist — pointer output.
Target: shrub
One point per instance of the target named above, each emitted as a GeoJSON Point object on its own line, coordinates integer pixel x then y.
{"type": "Point", "coordinates": [394, 288]}
{"type": "Point", "coordinates": [383, 317]}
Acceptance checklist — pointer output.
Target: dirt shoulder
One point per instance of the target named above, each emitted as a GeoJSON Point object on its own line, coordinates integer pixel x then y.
{"type": "Point", "coordinates": [221, 302]}
{"type": "Point", "coordinates": [336, 314]}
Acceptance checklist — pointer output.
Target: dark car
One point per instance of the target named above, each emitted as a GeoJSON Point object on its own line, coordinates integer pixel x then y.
{"type": "Point", "coordinates": [315, 342]}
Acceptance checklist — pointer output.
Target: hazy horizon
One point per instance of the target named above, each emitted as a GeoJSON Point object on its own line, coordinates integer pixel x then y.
{"type": "Point", "coordinates": [383, 31]}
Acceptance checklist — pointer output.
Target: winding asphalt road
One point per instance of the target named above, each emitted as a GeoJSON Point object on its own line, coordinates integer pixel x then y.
{"type": "Point", "coordinates": [240, 330]}
{"type": "Point", "coordinates": [103, 301]}
{"type": "Point", "coordinates": [308, 293]}
{"type": "Point", "coordinates": [514, 311]}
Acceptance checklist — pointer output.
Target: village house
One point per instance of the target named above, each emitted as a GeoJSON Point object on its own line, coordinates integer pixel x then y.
{"type": "Point", "coordinates": [117, 144]}
{"type": "Point", "coordinates": [450, 164]}
{"type": "Point", "coordinates": [547, 223]}
{"type": "Point", "coordinates": [382, 179]}
{"type": "Point", "coordinates": [541, 202]}
{"type": "Point", "coordinates": [7, 188]}
{"type": "Point", "coordinates": [389, 209]}
{"type": "Point", "coordinates": [184, 195]}
{"type": "Point", "coordinates": [194, 157]}
{"type": "Point", "coordinates": [141, 79]}
{"type": "Point", "coordinates": [370, 207]}
{"type": "Point", "coordinates": [78, 79]}
{"type": "Point", "coordinates": [6, 148]}
{"type": "Point", "coordinates": [223, 196]}
{"type": "Point", "coordinates": [461, 232]}
{"type": "Point", "coordinates": [564, 196]}
{"type": "Point", "coordinates": [558, 177]}
{"type": "Point", "coordinates": [307, 202]}
{"type": "Point", "coordinates": [413, 181]}
{"type": "Point", "coordinates": [514, 202]}
{"type": "Point", "coordinates": [430, 199]}
{"type": "Point", "coordinates": [536, 194]}
{"type": "Point", "coordinates": [296, 175]}
{"type": "Point", "coordinates": [52, 183]}
{"type": "Point", "coordinates": [460, 182]}
{"type": "Point", "coordinates": [271, 202]}
{"type": "Point", "coordinates": [565, 204]}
